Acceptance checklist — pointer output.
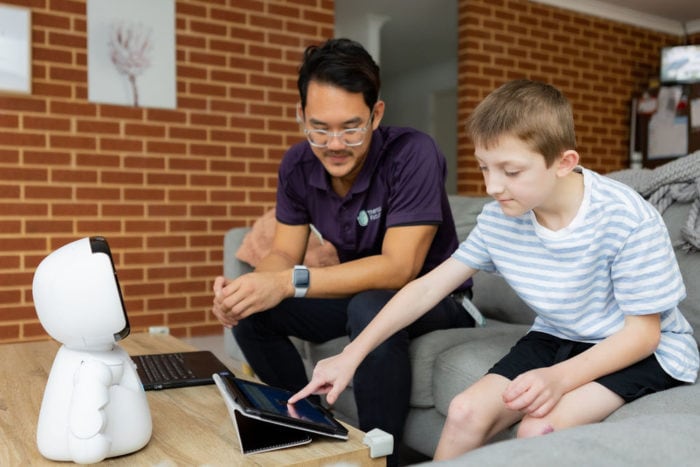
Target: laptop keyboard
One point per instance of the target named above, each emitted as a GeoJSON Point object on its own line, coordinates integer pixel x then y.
{"type": "Point", "coordinates": [166, 367]}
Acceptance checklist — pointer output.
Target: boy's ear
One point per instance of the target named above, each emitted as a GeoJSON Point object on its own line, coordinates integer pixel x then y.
{"type": "Point", "coordinates": [567, 162]}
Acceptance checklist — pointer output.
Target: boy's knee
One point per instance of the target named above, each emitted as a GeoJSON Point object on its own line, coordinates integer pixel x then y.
{"type": "Point", "coordinates": [461, 411]}
{"type": "Point", "coordinates": [532, 426]}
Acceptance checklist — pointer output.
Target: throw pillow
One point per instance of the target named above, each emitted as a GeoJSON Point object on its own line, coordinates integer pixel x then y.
{"type": "Point", "coordinates": [258, 242]}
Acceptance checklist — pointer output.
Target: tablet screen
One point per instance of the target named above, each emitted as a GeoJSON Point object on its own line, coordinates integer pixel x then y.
{"type": "Point", "coordinates": [273, 401]}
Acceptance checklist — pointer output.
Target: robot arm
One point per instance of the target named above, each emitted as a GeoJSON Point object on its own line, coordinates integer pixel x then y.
{"type": "Point", "coordinates": [87, 418]}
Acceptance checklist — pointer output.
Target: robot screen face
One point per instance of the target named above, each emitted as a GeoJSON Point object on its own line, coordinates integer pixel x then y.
{"type": "Point", "coordinates": [100, 245]}
{"type": "Point", "coordinates": [77, 295]}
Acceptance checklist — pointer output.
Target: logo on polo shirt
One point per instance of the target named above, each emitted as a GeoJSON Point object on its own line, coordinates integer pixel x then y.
{"type": "Point", "coordinates": [365, 216]}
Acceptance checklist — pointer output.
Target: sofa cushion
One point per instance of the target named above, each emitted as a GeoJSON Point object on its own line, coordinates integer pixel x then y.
{"type": "Point", "coordinates": [679, 400]}
{"type": "Point", "coordinates": [676, 217]}
{"type": "Point", "coordinates": [424, 350]}
{"type": "Point", "coordinates": [504, 305]}
{"type": "Point", "coordinates": [690, 306]}
{"type": "Point", "coordinates": [462, 365]}
{"type": "Point", "coordinates": [464, 211]}
{"type": "Point", "coordinates": [642, 440]}
{"type": "Point", "coordinates": [498, 301]}
{"type": "Point", "coordinates": [257, 243]}
{"type": "Point", "coordinates": [232, 240]}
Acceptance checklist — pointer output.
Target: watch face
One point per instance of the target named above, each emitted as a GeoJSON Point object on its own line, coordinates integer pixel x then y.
{"type": "Point", "coordinates": [301, 277]}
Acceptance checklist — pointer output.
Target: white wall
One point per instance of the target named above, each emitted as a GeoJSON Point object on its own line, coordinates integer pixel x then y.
{"type": "Point", "coordinates": [418, 99]}
{"type": "Point", "coordinates": [414, 43]}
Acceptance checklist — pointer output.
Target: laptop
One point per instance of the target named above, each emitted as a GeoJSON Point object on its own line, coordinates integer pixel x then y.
{"type": "Point", "coordinates": [178, 369]}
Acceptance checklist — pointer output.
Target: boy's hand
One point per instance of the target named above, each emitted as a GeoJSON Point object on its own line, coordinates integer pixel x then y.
{"type": "Point", "coordinates": [534, 392]}
{"type": "Point", "coordinates": [330, 377]}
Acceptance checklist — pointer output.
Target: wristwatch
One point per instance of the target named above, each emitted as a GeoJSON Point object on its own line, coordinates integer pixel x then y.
{"type": "Point", "coordinates": [300, 280]}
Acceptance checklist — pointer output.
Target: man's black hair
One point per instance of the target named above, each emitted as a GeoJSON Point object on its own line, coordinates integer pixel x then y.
{"type": "Point", "coordinates": [343, 63]}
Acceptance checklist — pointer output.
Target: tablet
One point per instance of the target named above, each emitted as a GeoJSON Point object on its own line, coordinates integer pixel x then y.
{"type": "Point", "coordinates": [269, 404]}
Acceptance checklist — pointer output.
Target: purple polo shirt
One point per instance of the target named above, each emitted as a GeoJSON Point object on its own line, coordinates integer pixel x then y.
{"type": "Point", "coordinates": [402, 182]}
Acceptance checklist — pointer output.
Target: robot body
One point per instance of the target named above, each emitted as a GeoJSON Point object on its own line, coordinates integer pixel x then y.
{"type": "Point", "coordinates": [94, 405]}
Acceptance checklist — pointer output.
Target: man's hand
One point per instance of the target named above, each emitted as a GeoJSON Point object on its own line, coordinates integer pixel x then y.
{"type": "Point", "coordinates": [534, 392]}
{"type": "Point", "coordinates": [330, 377]}
{"type": "Point", "coordinates": [248, 294]}
{"type": "Point", "coordinates": [218, 308]}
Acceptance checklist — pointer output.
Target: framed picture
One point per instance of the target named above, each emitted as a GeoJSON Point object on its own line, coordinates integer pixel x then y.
{"type": "Point", "coordinates": [667, 123]}
{"type": "Point", "coordinates": [131, 53]}
{"type": "Point", "coordinates": [15, 49]}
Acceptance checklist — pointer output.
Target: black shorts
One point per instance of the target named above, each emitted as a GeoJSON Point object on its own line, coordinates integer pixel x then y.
{"type": "Point", "coordinates": [540, 350]}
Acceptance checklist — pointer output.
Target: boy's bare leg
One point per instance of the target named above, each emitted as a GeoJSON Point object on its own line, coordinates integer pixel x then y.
{"type": "Point", "coordinates": [474, 416]}
{"type": "Point", "coordinates": [589, 403]}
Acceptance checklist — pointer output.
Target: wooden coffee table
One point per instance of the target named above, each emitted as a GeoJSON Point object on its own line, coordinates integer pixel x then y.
{"type": "Point", "coordinates": [191, 426]}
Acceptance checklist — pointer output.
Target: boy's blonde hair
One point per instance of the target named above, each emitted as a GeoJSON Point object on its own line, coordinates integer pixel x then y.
{"type": "Point", "coordinates": [536, 113]}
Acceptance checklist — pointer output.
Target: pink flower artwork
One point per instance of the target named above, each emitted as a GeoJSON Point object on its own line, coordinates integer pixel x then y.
{"type": "Point", "coordinates": [130, 47]}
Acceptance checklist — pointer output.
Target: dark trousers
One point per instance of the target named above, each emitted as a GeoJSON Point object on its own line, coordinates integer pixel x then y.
{"type": "Point", "coordinates": [382, 383]}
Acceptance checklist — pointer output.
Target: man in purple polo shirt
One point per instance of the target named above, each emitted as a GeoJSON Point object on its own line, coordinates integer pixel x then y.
{"type": "Point", "coordinates": [377, 194]}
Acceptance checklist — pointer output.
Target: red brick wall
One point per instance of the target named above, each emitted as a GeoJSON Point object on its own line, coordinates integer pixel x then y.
{"type": "Point", "coordinates": [164, 185]}
{"type": "Point", "coordinates": [599, 64]}
{"type": "Point", "coordinates": [161, 185]}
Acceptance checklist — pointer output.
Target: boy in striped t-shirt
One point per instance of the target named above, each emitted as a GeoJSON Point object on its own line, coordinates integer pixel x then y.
{"type": "Point", "coordinates": [590, 256]}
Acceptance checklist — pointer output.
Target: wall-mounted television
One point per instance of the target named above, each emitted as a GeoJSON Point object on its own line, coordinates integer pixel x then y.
{"type": "Point", "coordinates": [680, 64]}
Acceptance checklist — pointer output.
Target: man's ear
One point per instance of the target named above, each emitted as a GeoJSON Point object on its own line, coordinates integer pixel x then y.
{"type": "Point", "coordinates": [568, 161]}
{"type": "Point", "coordinates": [299, 114]}
{"type": "Point", "coordinates": [378, 114]}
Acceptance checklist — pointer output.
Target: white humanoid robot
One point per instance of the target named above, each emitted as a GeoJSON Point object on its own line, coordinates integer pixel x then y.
{"type": "Point", "coordinates": [94, 405]}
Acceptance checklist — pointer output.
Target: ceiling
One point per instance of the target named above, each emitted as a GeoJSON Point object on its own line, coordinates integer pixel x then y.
{"type": "Point", "coordinates": [683, 11]}
{"type": "Point", "coordinates": [404, 32]}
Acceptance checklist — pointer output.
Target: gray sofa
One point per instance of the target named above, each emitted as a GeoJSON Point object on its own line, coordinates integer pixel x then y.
{"type": "Point", "coordinates": [655, 430]}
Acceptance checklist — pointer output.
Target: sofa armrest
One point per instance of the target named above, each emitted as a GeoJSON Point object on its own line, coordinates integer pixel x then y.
{"type": "Point", "coordinates": [492, 295]}
{"type": "Point", "coordinates": [233, 267]}
{"type": "Point", "coordinates": [498, 301]}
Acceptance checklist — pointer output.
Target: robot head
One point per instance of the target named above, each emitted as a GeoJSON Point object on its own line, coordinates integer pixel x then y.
{"type": "Point", "coordinates": [77, 296]}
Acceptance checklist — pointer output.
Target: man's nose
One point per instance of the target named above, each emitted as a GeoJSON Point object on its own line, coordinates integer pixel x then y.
{"type": "Point", "coordinates": [335, 142]}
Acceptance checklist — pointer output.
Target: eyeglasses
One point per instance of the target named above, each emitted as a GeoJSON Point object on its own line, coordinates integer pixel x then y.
{"type": "Point", "coordinates": [349, 137]}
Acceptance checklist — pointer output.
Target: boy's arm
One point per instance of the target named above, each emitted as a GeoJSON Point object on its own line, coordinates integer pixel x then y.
{"type": "Point", "coordinates": [333, 374]}
{"type": "Point", "coordinates": [536, 392]}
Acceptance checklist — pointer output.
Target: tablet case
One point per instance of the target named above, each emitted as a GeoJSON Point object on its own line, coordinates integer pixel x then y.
{"type": "Point", "coordinates": [256, 436]}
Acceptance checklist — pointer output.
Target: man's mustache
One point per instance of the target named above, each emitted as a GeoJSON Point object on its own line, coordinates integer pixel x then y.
{"type": "Point", "coordinates": [337, 153]}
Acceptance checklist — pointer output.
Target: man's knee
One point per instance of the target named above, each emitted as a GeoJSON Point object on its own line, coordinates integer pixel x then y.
{"type": "Point", "coordinates": [363, 307]}
{"type": "Point", "coordinates": [247, 328]}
